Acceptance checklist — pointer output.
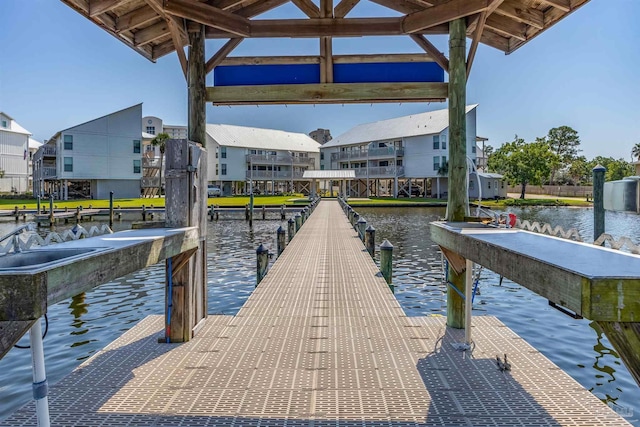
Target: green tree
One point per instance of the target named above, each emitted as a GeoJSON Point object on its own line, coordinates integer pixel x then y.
{"type": "Point", "coordinates": [579, 171]}
{"type": "Point", "coordinates": [443, 170]}
{"type": "Point", "coordinates": [160, 141]}
{"type": "Point", "coordinates": [523, 163]}
{"type": "Point", "coordinates": [563, 142]}
{"type": "Point", "coordinates": [635, 151]}
{"type": "Point", "coordinates": [616, 168]}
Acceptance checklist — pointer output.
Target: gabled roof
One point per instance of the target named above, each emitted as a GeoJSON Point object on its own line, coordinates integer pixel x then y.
{"type": "Point", "coordinates": [261, 139]}
{"type": "Point", "coordinates": [34, 144]}
{"type": "Point", "coordinates": [14, 126]}
{"type": "Point", "coordinates": [429, 123]}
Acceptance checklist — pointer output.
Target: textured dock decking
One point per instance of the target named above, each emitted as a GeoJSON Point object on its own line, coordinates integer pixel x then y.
{"type": "Point", "coordinates": [321, 342]}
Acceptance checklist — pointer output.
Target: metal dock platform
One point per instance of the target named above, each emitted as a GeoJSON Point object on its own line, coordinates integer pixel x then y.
{"type": "Point", "coordinates": [322, 341]}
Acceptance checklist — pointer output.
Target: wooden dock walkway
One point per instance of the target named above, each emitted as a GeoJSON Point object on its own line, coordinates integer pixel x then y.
{"type": "Point", "coordinates": [321, 342]}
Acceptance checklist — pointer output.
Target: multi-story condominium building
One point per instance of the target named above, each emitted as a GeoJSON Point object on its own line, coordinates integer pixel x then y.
{"type": "Point", "coordinates": [402, 156]}
{"type": "Point", "coordinates": [269, 161]}
{"type": "Point", "coordinates": [14, 156]}
{"type": "Point", "coordinates": [92, 159]}
{"type": "Point", "coordinates": [322, 136]}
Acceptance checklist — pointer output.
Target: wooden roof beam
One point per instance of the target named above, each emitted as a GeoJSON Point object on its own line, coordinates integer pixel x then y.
{"type": "Point", "coordinates": [323, 93]}
{"type": "Point", "coordinates": [151, 33]}
{"type": "Point", "coordinates": [433, 51]}
{"type": "Point", "coordinates": [98, 7]}
{"type": "Point", "coordinates": [476, 39]}
{"type": "Point", "coordinates": [443, 13]}
{"type": "Point", "coordinates": [337, 59]}
{"type": "Point", "coordinates": [259, 7]}
{"type": "Point", "coordinates": [344, 7]}
{"type": "Point", "coordinates": [135, 18]}
{"type": "Point", "coordinates": [221, 54]}
{"type": "Point", "coordinates": [514, 10]}
{"type": "Point", "coordinates": [209, 16]}
{"type": "Point", "coordinates": [327, 27]}
{"type": "Point", "coordinates": [308, 7]}
{"type": "Point", "coordinates": [507, 27]}
{"type": "Point", "coordinates": [563, 5]}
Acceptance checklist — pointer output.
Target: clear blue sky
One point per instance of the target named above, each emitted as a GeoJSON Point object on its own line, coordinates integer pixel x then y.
{"type": "Point", "coordinates": [57, 69]}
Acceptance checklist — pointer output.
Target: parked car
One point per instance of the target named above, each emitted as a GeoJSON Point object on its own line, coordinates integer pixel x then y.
{"type": "Point", "coordinates": [213, 191]}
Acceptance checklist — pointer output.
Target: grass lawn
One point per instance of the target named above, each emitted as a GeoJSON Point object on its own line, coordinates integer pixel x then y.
{"type": "Point", "coordinates": [382, 201]}
{"type": "Point", "coordinates": [536, 202]}
{"type": "Point", "coordinates": [9, 204]}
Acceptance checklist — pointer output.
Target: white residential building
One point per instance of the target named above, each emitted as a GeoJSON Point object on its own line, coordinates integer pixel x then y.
{"type": "Point", "coordinates": [92, 159]}
{"type": "Point", "coordinates": [398, 156]}
{"type": "Point", "coordinates": [272, 161]}
{"type": "Point", "coordinates": [14, 156]}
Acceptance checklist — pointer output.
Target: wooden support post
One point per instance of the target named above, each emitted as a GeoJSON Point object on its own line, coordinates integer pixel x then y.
{"type": "Point", "coordinates": [282, 213]}
{"type": "Point", "coordinates": [251, 209]}
{"type": "Point", "coordinates": [386, 262]}
{"type": "Point", "coordinates": [370, 241]}
{"type": "Point", "coordinates": [291, 228]}
{"type": "Point", "coordinates": [246, 212]}
{"type": "Point", "coordinates": [264, 212]}
{"type": "Point", "coordinates": [110, 209]}
{"type": "Point", "coordinates": [298, 219]}
{"type": "Point", "coordinates": [262, 262]}
{"type": "Point", "coordinates": [457, 205]}
{"type": "Point", "coordinates": [51, 217]}
{"type": "Point", "coordinates": [186, 198]}
{"type": "Point", "coordinates": [361, 226]}
{"type": "Point", "coordinates": [144, 213]}
{"type": "Point", "coordinates": [281, 240]}
{"type": "Point", "coordinates": [598, 201]}
{"type": "Point", "coordinates": [355, 219]}
{"type": "Point", "coordinates": [38, 208]}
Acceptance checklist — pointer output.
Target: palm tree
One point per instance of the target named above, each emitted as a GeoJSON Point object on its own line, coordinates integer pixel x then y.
{"type": "Point", "coordinates": [160, 141]}
{"type": "Point", "coordinates": [635, 151]}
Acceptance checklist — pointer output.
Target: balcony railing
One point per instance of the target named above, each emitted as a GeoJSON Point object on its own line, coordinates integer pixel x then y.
{"type": "Point", "coordinates": [150, 182]}
{"type": "Point", "coordinates": [380, 172]}
{"type": "Point", "coordinates": [49, 150]}
{"type": "Point", "coordinates": [267, 175]}
{"type": "Point", "coordinates": [364, 153]}
{"type": "Point", "coordinates": [279, 159]}
{"type": "Point", "coordinates": [150, 163]}
{"type": "Point", "coordinates": [48, 172]}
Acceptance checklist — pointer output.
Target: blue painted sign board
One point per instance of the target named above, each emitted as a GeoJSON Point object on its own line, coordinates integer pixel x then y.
{"type": "Point", "coordinates": [275, 74]}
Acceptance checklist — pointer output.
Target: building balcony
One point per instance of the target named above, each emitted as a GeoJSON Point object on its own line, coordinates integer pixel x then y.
{"type": "Point", "coordinates": [279, 159]}
{"type": "Point", "coordinates": [150, 182]}
{"type": "Point", "coordinates": [49, 150]}
{"type": "Point", "coordinates": [48, 172]}
{"type": "Point", "coordinates": [380, 172]}
{"type": "Point", "coordinates": [273, 175]}
{"type": "Point", "coordinates": [150, 163]}
{"type": "Point", "coordinates": [379, 152]}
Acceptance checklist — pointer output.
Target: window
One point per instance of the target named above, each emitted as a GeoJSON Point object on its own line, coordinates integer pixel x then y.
{"type": "Point", "coordinates": [254, 152]}
{"type": "Point", "coordinates": [136, 146]}
{"type": "Point", "coordinates": [488, 184]}
{"type": "Point", "coordinates": [321, 156]}
{"type": "Point", "coordinates": [443, 140]}
{"type": "Point", "coordinates": [436, 163]}
{"type": "Point", "coordinates": [501, 184]}
{"type": "Point", "coordinates": [399, 162]}
{"type": "Point", "coordinates": [68, 142]}
{"type": "Point", "coordinates": [436, 142]}
{"type": "Point", "coordinates": [223, 169]}
{"type": "Point", "coordinates": [151, 130]}
{"type": "Point", "coordinates": [149, 148]}
{"type": "Point", "coordinates": [321, 167]}
{"type": "Point", "coordinates": [216, 169]}
{"type": "Point", "coordinates": [344, 166]}
{"type": "Point", "coordinates": [68, 164]}
{"type": "Point", "coordinates": [223, 152]}
{"type": "Point", "coordinates": [471, 185]}
{"type": "Point", "coordinates": [444, 160]}
{"type": "Point", "coordinates": [384, 163]}
{"type": "Point", "coordinates": [4, 124]}
{"type": "Point", "coordinates": [136, 166]}
{"type": "Point", "coordinates": [473, 149]}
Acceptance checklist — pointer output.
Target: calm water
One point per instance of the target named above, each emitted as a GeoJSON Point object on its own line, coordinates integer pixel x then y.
{"type": "Point", "coordinates": [83, 325]}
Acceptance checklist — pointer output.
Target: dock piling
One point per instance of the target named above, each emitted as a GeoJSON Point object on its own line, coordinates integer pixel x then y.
{"type": "Point", "coordinates": [386, 262]}
{"type": "Point", "coordinates": [291, 224]}
{"type": "Point", "coordinates": [598, 201]}
{"type": "Point", "coordinates": [370, 241]}
{"type": "Point", "coordinates": [298, 219]}
{"type": "Point", "coordinates": [361, 227]}
{"type": "Point", "coordinates": [262, 262]}
{"type": "Point", "coordinates": [110, 209]}
{"type": "Point", "coordinates": [281, 240]}
{"type": "Point", "coordinates": [282, 214]}
{"type": "Point", "coordinates": [264, 212]}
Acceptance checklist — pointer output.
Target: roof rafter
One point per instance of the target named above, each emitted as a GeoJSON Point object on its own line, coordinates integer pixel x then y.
{"type": "Point", "coordinates": [135, 18]}
{"type": "Point", "coordinates": [209, 16]}
{"type": "Point", "coordinates": [308, 7]}
{"type": "Point", "coordinates": [514, 10]}
{"type": "Point", "coordinates": [443, 13]}
{"type": "Point", "coordinates": [344, 7]}
{"type": "Point", "coordinates": [98, 7]}
{"type": "Point", "coordinates": [433, 51]}
{"type": "Point", "coordinates": [221, 54]}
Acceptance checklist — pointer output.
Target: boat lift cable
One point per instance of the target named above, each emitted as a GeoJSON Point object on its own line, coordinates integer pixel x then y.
{"type": "Point", "coordinates": [46, 329]}
{"type": "Point", "coordinates": [475, 282]}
